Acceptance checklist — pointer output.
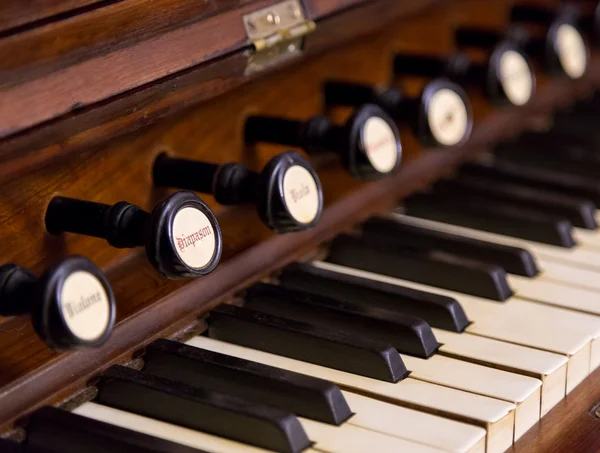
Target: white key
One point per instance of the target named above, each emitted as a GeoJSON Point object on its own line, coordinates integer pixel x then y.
{"type": "Point", "coordinates": [518, 321]}
{"type": "Point", "coordinates": [167, 431]}
{"type": "Point", "coordinates": [554, 293]}
{"type": "Point", "coordinates": [326, 438]}
{"type": "Point", "coordinates": [548, 367]}
{"type": "Point", "coordinates": [524, 392]}
{"type": "Point", "coordinates": [568, 274]}
{"type": "Point", "coordinates": [549, 320]}
{"type": "Point", "coordinates": [587, 238]}
{"type": "Point", "coordinates": [496, 416]}
{"type": "Point", "coordinates": [415, 426]}
{"type": "Point", "coordinates": [354, 439]}
{"type": "Point", "coordinates": [580, 256]}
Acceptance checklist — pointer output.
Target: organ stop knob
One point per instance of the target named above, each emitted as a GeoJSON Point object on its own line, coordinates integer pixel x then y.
{"type": "Point", "coordinates": [563, 50]}
{"type": "Point", "coordinates": [287, 192]}
{"type": "Point", "coordinates": [507, 76]}
{"type": "Point", "coordinates": [441, 114]}
{"type": "Point", "coordinates": [369, 142]}
{"type": "Point", "coordinates": [181, 236]}
{"type": "Point", "coordinates": [71, 305]}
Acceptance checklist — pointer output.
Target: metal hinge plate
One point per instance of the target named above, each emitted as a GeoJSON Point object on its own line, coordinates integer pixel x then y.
{"type": "Point", "coordinates": [277, 33]}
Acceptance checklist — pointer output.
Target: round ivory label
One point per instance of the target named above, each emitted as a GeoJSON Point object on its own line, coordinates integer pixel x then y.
{"type": "Point", "coordinates": [380, 145]}
{"type": "Point", "coordinates": [193, 237]}
{"type": "Point", "coordinates": [301, 194]}
{"type": "Point", "coordinates": [572, 51]}
{"type": "Point", "coordinates": [515, 77]}
{"type": "Point", "coordinates": [448, 117]}
{"type": "Point", "coordinates": [85, 305]}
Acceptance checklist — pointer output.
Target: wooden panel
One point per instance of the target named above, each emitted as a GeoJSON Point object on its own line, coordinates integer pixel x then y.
{"type": "Point", "coordinates": [18, 12]}
{"type": "Point", "coordinates": [93, 80]}
{"type": "Point", "coordinates": [87, 127]}
{"type": "Point", "coordinates": [319, 8]}
{"type": "Point", "coordinates": [42, 50]}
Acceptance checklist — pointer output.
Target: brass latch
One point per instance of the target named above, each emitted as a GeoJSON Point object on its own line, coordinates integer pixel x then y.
{"type": "Point", "coordinates": [277, 33]}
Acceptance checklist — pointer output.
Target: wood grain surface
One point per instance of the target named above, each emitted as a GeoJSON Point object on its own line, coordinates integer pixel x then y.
{"type": "Point", "coordinates": [15, 13]}
{"type": "Point", "coordinates": [319, 8]}
{"type": "Point", "coordinates": [98, 123]}
{"type": "Point", "coordinates": [105, 154]}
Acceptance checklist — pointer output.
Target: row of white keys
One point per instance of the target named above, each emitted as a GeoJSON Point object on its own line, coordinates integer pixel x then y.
{"type": "Point", "coordinates": [326, 438]}
{"type": "Point", "coordinates": [349, 438]}
{"type": "Point", "coordinates": [521, 322]}
{"type": "Point", "coordinates": [185, 436]}
{"type": "Point", "coordinates": [495, 416]}
{"type": "Point", "coordinates": [375, 424]}
{"type": "Point", "coordinates": [522, 391]}
{"type": "Point", "coordinates": [548, 367]}
{"type": "Point", "coordinates": [559, 284]}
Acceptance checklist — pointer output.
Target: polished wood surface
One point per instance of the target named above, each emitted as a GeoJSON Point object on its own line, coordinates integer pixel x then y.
{"type": "Point", "coordinates": [192, 104]}
{"type": "Point", "coordinates": [89, 126]}
{"type": "Point", "coordinates": [15, 14]}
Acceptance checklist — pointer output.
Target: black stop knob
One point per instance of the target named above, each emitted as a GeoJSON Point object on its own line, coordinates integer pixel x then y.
{"type": "Point", "coordinates": [440, 116]}
{"type": "Point", "coordinates": [71, 306]}
{"type": "Point", "coordinates": [287, 193]}
{"type": "Point", "coordinates": [563, 50]}
{"type": "Point", "coordinates": [507, 76]}
{"type": "Point", "coordinates": [590, 22]}
{"type": "Point", "coordinates": [181, 236]}
{"type": "Point", "coordinates": [369, 142]}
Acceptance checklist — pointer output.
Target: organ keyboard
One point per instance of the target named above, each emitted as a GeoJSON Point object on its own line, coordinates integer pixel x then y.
{"type": "Point", "coordinates": [367, 225]}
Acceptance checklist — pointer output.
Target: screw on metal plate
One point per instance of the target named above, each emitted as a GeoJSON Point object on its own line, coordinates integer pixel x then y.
{"type": "Point", "coordinates": [596, 410]}
{"type": "Point", "coordinates": [277, 33]}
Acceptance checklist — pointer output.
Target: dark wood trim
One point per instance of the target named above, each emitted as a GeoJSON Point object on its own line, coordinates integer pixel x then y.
{"type": "Point", "coordinates": [35, 53]}
{"type": "Point", "coordinates": [94, 80]}
{"type": "Point", "coordinates": [16, 13]}
{"type": "Point", "coordinates": [90, 125]}
{"type": "Point", "coordinates": [316, 9]}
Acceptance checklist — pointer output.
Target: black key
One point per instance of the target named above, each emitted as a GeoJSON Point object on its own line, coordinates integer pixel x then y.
{"type": "Point", "coordinates": [583, 125]}
{"type": "Point", "coordinates": [204, 410]}
{"type": "Point", "coordinates": [292, 392]}
{"type": "Point", "coordinates": [7, 446]}
{"type": "Point", "coordinates": [302, 341]}
{"type": "Point", "coordinates": [561, 157]}
{"type": "Point", "coordinates": [408, 334]}
{"type": "Point", "coordinates": [567, 184]}
{"type": "Point", "coordinates": [565, 137]}
{"type": "Point", "coordinates": [64, 432]}
{"type": "Point", "coordinates": [514, 260]}
{"type": "Point", "coordinates": [581, 213]}
{"type": "Point", "coordinates": [439, 311]}
{"type": "Point", "coordinates": [555, 143]}
{"type": "Point", "coordinates": [430, 267]}
{"type": "Point", "coordinates": [495, 217]}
